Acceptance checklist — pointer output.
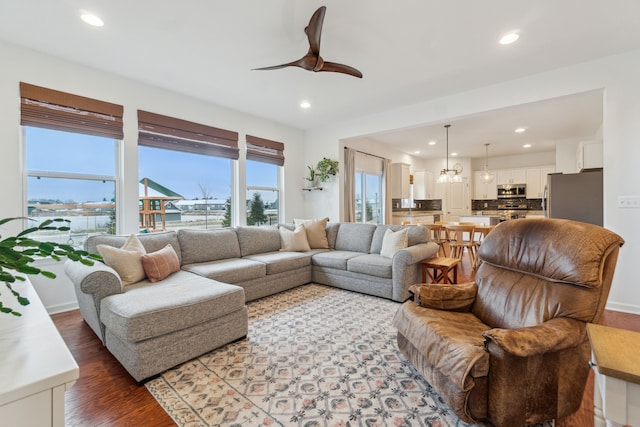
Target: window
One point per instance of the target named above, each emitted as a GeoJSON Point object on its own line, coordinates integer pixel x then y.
{"type": "Point", "coordinates": [185, 172]}
{"type": "Point", "coordinates": [368, 188]}
{"type": "Point", "coordinates": [264, 161]}
{"type": "Point", "coordinates": [71, 146]}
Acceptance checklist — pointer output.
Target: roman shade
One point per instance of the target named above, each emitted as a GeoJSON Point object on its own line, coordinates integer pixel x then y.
{"type": "Point", "coordinates": [265, 150]}
{"type": "Point", "coordinates": [155, 130]}
{"type": "Point", "coordinates": [52, 109]}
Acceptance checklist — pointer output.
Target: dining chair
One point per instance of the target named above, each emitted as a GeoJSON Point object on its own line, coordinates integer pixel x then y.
{"type": "Point", "coordinates": [462, 237]}
{"type": "Point", "coordinates": [438, 235]}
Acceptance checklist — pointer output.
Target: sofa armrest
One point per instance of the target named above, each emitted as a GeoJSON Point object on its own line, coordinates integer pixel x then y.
{"type": "Point", "coordinates": [442, 296]}
{"type": "Point", "coordinates": [98, 280]}
{"type": "Point", "coordinates": [551, 336]}
{"type": "Point", "coordinates": [407, 270]}
{"type": "Point", "coordinates": [416, 253]}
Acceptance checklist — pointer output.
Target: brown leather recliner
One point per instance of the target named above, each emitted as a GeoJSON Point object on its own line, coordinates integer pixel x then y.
{"type": "Point", "coordinates": [512, 348]}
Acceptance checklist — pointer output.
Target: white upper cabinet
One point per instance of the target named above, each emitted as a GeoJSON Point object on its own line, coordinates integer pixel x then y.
{"type": "Point", "coordinates": [511, 176]}
{"type": "Point", "coordinates": [482, 190]}
{"type": "Point", "coordinates": [589, 155]}
{"type": "Point", "coordinates": [423, 185]}
{"type": "Point", "coordinates": [400, 181]}
{"type": "Point", "coordinates": [536, 181]}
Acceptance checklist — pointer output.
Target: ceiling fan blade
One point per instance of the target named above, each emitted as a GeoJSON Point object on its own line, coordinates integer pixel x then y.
{"type": "Point", "coordinates": [308, 62]}
{"type": "Point", "coordinates": [340, 68]}
{"type": "Point", "coordinates": [277, 67]}
{"type": "Point", "coordinates": [314, 30]}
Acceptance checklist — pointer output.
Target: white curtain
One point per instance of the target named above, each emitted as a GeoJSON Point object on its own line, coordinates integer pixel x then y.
{"type": "Point", "coordinates": [386, 171]}
{"type": "Point", "coordinates": [349, 184]}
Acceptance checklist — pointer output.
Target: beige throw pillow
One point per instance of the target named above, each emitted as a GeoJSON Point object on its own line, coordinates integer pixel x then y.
{"type": "Point", "coordinates": [316, 232]}
{"type": "Point", "coordinates": [160, 264]}
{"type": "Point", "coordinates": [294, 241]}
{"type": "Point", "coordinates": [393, 241]}
{"type": "Point", "coordinates": [125, 260]}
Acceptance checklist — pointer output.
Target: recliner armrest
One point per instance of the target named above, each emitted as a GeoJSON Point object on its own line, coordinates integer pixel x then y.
{"type": "Point", "coordinates": [554, 335]}
{"type": "Point", "coordinates": [439, 296]}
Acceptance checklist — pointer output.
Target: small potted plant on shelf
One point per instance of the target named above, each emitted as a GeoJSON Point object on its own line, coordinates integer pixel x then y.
{"type": "Point", "coordinates": [326, 169]}
{"type": "Point", "coordinates": [311, 178]}
{"type": "Point", "coordinates": [17, 256]}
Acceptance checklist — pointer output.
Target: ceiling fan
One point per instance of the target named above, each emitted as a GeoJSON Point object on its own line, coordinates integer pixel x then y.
{"type": "Point", "coordinates": [312, 61]}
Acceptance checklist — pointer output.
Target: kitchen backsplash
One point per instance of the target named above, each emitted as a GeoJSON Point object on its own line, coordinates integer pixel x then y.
{"type": "Point", "coordinates": [420, 205]}
{"type": "Point", "coordinates": [492, 205]}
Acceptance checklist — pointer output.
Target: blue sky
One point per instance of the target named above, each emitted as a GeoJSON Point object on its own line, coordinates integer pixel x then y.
{"type": "Point", "coordinates": [184, 173]}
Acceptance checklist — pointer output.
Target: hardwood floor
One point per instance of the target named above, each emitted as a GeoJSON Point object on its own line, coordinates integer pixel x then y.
{"type": "Point", "coordinates": [105, 394]}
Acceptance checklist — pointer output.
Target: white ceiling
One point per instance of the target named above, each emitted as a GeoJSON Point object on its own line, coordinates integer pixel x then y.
{"type": "Point", "coordinates": [409, 51]}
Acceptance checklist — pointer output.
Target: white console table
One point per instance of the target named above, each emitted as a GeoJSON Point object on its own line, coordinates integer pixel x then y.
{"type": "Point", "coordinates": [36, 367]}
{"type": "Point", "coordinates": [616, 362]}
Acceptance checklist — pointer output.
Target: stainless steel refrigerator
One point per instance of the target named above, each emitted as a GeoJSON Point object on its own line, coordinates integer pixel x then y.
{"type": "Point", "coordinates": [576, 196]}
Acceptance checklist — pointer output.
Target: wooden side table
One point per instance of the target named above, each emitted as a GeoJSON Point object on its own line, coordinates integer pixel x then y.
{"type": "Point", "coordinates": [616, 363]}
{"type": "Point", "coordinates": [438, 270]}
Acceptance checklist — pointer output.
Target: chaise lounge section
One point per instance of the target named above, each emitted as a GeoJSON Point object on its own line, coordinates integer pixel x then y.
{"type": "Point", "coordinates": [153, 325]}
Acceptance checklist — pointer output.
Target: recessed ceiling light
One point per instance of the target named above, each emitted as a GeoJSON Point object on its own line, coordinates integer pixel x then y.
{"type": "Point", "coordinates": [416, 152]}
{"type": "Point", "coordinates": [432, 143]}
{"type": "Point", "coordinates": [305, 104]}
{"type": "Point", "coordinates": [520, 130]}
{"type": "Point", "coordinates": [509, 38]}
{"type": "Point", "coordinates": [91, 19]}
{"type": "Point", "coordinates": [454, 154]}
{"type": "Point", "coordinates": [527, 145]}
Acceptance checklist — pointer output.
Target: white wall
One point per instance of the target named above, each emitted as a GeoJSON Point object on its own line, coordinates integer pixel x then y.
{"type": "Point", "coordinates": [617, 75]}
{"type": "Point", "coordinates": [19, 64]}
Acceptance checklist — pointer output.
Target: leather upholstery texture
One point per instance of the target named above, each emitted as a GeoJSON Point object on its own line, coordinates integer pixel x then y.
{"type": "Point", "coordinates": [520, 354]}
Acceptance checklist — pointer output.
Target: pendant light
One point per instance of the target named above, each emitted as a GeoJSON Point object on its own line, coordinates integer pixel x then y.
{"type": "Point", "coordinates": [487, 176]}
{"type": "Point", "coordinates": [450, 175]}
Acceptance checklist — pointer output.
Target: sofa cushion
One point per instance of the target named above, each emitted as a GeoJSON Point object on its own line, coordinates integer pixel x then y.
{"type": "Point", "coordinates": [334, 259]}
{"type": "Point", "coordinates": [378, 236]}
{"type": "Point", "coordinates": [393, 241]}
{"type": "Point", "coordinates": [160, 264]}
{"type": "Point", "coordinates": [316, 232]}
{"type": "Point", "coordinates": [332, 233]}
{"type": "Point", "coordinates": [294, 240]}
{"type": "Point", "coordinates": [233, 270]}
{"type": "Point", "coordinates": [372, 264]}
{"type": "Point", "coordinates": [182, 300]}
{"type": "Point", "coordinates": [278, 262]}
{"type": "Point", "coordinates": [355, 237]}
{"type": "Point", "coordinates": [258, 240]}
{"type": "Point", "coordinates": [208, 245]}
{"type": "Point", "coordinates": [151, 241]}
{"type": "Point", "coordinates": [125, 260]}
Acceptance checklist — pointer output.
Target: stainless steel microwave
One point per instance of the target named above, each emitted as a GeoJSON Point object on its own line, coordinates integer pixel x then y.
{"type": "Point", "coordinates": [512, 191]}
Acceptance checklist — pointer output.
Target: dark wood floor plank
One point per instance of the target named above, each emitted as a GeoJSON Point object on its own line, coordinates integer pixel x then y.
{"type": "Point", "coordinates": [106, 395]}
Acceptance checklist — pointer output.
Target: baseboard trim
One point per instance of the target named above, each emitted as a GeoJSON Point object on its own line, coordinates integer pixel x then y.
{"type": "Point", "coordinates": [61, 308]}
{"type": "Point", "coordinates": [624, 308]}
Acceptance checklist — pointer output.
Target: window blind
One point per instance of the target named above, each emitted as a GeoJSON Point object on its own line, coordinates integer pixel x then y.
{"type": "Point", "coordinates": [265, 150]}
{"type": "Point", "coordinates": [52, 109]}
{"type": "Point", "coordinates": [155, 130]}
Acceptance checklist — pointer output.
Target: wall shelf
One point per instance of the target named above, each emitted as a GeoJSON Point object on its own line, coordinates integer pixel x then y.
{"type": "Point", "coordinates": [312, 188]}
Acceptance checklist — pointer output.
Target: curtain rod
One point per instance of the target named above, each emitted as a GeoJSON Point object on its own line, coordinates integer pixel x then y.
{"type": "Point", "coordinates": [368, 154]}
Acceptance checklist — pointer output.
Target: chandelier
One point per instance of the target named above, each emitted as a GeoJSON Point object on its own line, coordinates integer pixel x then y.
{"type": "Point", "coordinates": [487, 176]}
{"type": "Point", "coordinates": [450, 175]}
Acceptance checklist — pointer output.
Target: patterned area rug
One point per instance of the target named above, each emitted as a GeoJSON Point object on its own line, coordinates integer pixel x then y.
{"type": "Point", "coordinates": [314, 356]}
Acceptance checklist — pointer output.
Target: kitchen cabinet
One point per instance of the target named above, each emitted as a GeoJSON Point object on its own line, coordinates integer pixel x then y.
{"type": "Point", "coordinates": [400, 181]}
{"type": "Point", "coordinates": [511, 176]}
{"type": "Point", "coordinates": [589, 155]}
{"type": "Point", "coordinates": [482, 190]}
{"type": "Point", "coordinates": [413, 219]}
{"type": "Point", "coordinates": [537, 180]}
{"type": "Point", "coordinates": [423, 186]}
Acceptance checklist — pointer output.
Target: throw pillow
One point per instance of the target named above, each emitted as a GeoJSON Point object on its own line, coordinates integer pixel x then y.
{"type": "Point", "coordinates": [125, 260]}
{"type": "Point", "coordinates": [393, 241]}
{"type": "Point", "coordinates": [294, 241]}
{"type": "Point", "coordinates": [160, 264]}
{"type": "Point", "coordinates": [316, 232]}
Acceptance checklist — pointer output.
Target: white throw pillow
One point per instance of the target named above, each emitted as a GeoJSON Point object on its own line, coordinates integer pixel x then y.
{"type": "Point", "coordinates": [393, 241]}
{"type": "Point", "coordinates": [294, 241]}
{"type": "Point", "coordinates": [125, 260]}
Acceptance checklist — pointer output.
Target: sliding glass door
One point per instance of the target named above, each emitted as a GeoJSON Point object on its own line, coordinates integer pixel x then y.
{"type": "Point", "coordinates": [369, 200]}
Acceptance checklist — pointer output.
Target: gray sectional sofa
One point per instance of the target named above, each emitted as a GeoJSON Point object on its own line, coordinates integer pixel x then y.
{"type": "Point", "coordinates": [150, 327]}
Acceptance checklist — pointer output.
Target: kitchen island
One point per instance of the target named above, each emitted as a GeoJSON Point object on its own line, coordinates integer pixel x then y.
{"type": "Point", "coordinates": [415, 217]}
